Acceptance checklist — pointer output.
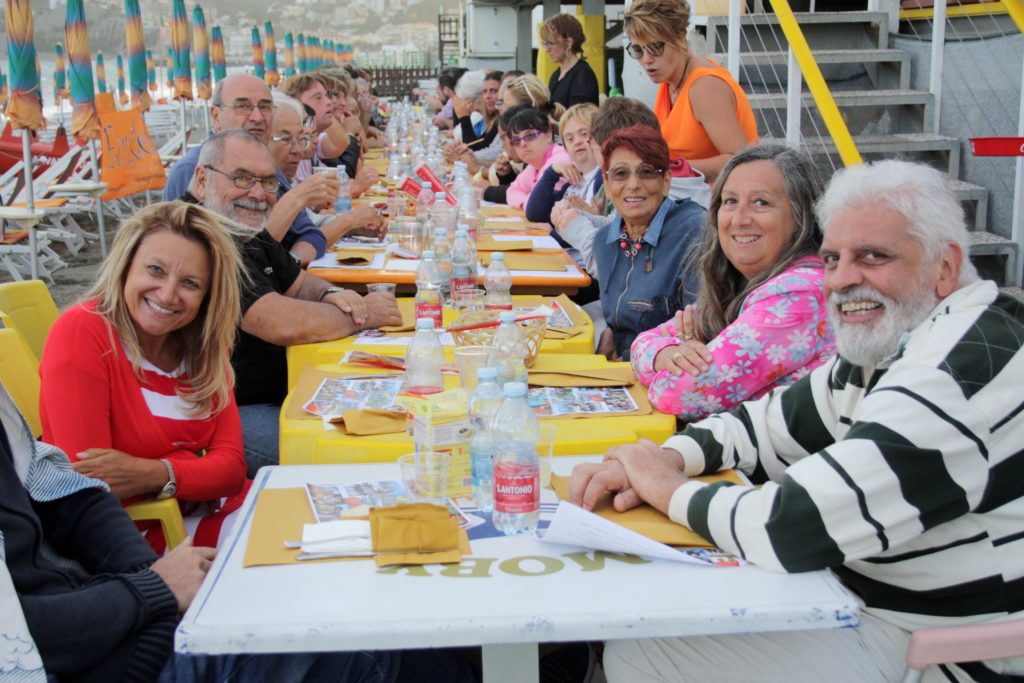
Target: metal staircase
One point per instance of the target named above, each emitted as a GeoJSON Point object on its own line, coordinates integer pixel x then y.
{"type": "Point", "coordinates": [870, 84]}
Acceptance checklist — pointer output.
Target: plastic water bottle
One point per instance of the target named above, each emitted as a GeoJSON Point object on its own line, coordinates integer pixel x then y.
{"type": "Point", "coordinates": [498, 282]}
{"type": "Point", "coordinates": [510, 349]}
{"type": "Point", "coordinates": [423, 360]}
{"type": "Point", "coordinates": [516, 466]}
{"type": "Point", "coordinates": [443, 256]}
{"type": "Point", "coordinates": [463, 263]}
{"type": "Point", "coordinates": [343, 202]}
{"type": "Point", "coordinates": [424, 201]}
{"type": "Point", "coordinates": [483, 405]}
{"type": "Point", "coordinates": [469, 211]}
{"type": "Point", "coordinates": [428, 291]}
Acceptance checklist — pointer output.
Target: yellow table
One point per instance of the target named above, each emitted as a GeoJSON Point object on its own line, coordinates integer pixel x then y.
{"type": "Point", "coordinates": [307, 441]}
{"type": "Point", "coordinates": [321, 353]}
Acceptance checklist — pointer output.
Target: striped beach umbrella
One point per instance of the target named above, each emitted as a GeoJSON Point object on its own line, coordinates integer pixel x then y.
{"type": "Point", "coordinates": [220, 68]}
{"type": "Point", "coordinates": [258, 69]}
{"type": "Point", "coordinates": [169, 68]}
{"type": "Point", "coordinates": [3, 90]}
{"type": "Point", "coordinates": [25, 101]}
{"type": "Point", "coordinates": [84, 122]}
{"type": "Point", "coordinates": [101, 73]}
{"type": "Point", "coordinates": [201, 38]}
{"type": "Point", "coordinates": [300, 50]}
{"type": "Point", "coordinates": [60, 74]}
{"type": "Point", "coordinates": [139, 60]}
{"type": "Point", "coordinates": [272, 77]}
{"type": "Point", "coordinates": [151, 71]}
{"type": "Point", "coordinates": [328, 51]}
{"type": "Point", "coordinates": [181, 47]}
{"type": "Point", "coordinates": [122, 93]}
{"type": "Point", "coordinates": [289, 55]}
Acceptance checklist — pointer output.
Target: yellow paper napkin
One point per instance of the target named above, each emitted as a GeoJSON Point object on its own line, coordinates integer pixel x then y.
{"type": "Point", "coordinates": [353, 257]}
{"type": "Point", "coordinates": [509, 245]}
{"type": "Point", "coordinates": [368, 421]}
{"type": "Point", "coordinates": [530, 261]}
{"type": "Point", "coordinates": [419, 533]}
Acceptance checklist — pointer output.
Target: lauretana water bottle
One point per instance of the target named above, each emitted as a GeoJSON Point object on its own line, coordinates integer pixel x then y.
{"type": "Point", "coordinates": [483, 405]}
{"type": "Point", "coordinates": [463, 263]}
{"type": "Point", "coordinates": [516, 467]}
{"type": "Point", "coordinates": [343, 203]}
{"type": "Point", "coordinates": [498, 282]}
{"type": "Point", "coordinates": [429, 302]}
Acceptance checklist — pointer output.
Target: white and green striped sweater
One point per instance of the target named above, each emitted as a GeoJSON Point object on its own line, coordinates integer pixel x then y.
{"type": "Point", "coordinates": [908, 481]}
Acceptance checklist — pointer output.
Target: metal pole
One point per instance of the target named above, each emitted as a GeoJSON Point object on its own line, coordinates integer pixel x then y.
{"type": "Point", "coordinates": [794, 88]}
{"type": "Point", "coordinates": [99, 200]}
{"type": "Point", "coordinates": [938, 49]}
{"type": "Point", "coordinates": [734, 39]}
{"type": "Point", "coordinates": [1017, 227]}
{"type": "Point", "coordinates": [33, 244]}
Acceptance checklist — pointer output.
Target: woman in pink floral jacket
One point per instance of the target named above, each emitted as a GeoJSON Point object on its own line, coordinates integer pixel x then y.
{"type": "Point", "coordinates": [760, 320]}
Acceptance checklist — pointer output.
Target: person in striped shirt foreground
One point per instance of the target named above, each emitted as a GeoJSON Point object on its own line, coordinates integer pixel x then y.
{"type": "Point", "coordinates": [897, 464]}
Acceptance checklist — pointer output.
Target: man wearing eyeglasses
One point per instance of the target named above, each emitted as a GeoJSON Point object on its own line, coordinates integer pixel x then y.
{"type": "Point", "coordinates": [283, 305]}
{"type": "Point", "coordinates": [244, 101]}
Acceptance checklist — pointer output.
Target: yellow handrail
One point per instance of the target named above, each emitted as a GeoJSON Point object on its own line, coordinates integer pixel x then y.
{"type": "Point", "coordinates": [980, 9]}
{"type": "Point", "coordinates": [1016, 11]}
{"type": "Point", "coordinates": [816, 83]}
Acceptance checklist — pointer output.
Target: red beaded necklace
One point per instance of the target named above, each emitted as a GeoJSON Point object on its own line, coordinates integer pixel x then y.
{"type": "Point", "coordinates": [630, 247]}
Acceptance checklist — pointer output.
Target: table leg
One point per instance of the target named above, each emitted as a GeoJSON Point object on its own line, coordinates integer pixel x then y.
{"type": "Point", "coordinates": [511, 663]}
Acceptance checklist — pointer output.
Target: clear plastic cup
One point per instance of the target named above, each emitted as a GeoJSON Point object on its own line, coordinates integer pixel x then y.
{"type": "Point", "coordinates": [425, 476]}
{"type": "Point", "coordinates": [470, 359]}
{"type": "Point", "coordinates": [381, 288]}
{"type": "Point", "coordinates": [468, 300]}
{"type": "Point", "coordinates": [545, 452]}
{"type": "Point", "coordinates": [405, 234]}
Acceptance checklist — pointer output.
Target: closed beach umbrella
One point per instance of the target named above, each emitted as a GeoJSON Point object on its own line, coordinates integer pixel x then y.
{"type": "Point", "coordinates": [151, 71]}
{"type": "Point", "coordinates": [272, 77]}
{"type": "Point", "coordinates": [170, 68]}
{"type": "Point", "coordinates": [300, 49]}
{"type": "Point", "coordinates": [220, 67]}
{"type": "Point", "coordinates": [84, 122]}
{"type": "Point", "coordinates": [3, 90]}
{"type": "Point", "coordinates": [289, 55]}
{"type": "Point", "coordinates": [202, 49]}
{"type": "Point", "coordinates": [101, 73]}
{"type": "Point", "coordinates": [181, 46]}
{"type": "Point", "coordinates": [258, 69]}
{"type": "Point", "coordinates": [139, 61]}
{"type": "Point", "coordinates": [60, 75]}
{"type": "Point", "coordinates": [122, 93]}
{"type": "Point", "coordinates": [25, 100]}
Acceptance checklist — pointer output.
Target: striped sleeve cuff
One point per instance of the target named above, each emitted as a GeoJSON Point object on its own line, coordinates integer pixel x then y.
{"type": "Point", "coordinates": [679, 504]}
{"type": "Point", "coordinates": [691, 452]}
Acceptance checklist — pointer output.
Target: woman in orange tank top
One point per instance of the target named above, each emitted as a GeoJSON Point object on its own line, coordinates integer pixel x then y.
{"type": "Point", "coordinates": [704, 113]}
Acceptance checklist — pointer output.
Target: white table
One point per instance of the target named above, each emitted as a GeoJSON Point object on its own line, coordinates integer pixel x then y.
{"type": "Point", "coordinates": [508, 596]}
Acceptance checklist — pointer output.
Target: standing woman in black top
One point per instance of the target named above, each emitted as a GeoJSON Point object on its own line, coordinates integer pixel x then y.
{"type": "Point", "coordinates": [574, 81]}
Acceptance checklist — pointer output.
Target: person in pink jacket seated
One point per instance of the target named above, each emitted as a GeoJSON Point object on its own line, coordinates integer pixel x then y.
{"type": "Point", "coordinates": [760, 320]}
{"type": "Point", "coordinates": [137, 386]}
{"type": "Point", "coordinates": [531, 135]}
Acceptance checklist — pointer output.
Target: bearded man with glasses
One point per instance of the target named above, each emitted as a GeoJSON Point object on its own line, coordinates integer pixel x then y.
{"type": "Point", "coordinates": [282, 304]}
{"type": "Point", "coordinates": [703, 112]}
{"type": "Point", "coordinates": [244, 101]}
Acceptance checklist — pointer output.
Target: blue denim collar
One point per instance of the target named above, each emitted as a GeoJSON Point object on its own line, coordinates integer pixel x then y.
{"type": "Point", "coordinates": [653, 230]}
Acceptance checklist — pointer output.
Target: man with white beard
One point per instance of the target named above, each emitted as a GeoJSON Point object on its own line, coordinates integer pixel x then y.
{"type": "Point", "coordinates": [899, 465]}
{"type": "Point", "coordinates": [281, 303]}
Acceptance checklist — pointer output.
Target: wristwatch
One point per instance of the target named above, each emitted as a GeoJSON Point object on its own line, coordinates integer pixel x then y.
{"type": "Point", "coordinates": [295, 257]}
{"type": "Point", "coordinates": [171, 487]}
{"type": "Point", "coordinates": [330, 290]}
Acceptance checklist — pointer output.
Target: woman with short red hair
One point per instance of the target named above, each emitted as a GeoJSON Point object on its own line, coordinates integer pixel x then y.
{"type": "Point", "coordinates": [640, 254]}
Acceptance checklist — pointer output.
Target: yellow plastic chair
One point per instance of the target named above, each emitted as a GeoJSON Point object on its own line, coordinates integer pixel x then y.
{"type": "Point", "coordinates": [19, 372]}
{"type": "Point", "coordinates": [31, 309]}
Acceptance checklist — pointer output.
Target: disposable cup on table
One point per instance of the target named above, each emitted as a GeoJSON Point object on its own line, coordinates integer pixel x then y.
{"type": "Point", "coordinates": [443, 216]}
{"type": "Point", "coordinates": [468, 300]}
{"type": "Point", "coordinates": [470, 359]}
{"type": "Point", "coordinates": [545, 452]}
{"type": "Point", "coordinates": [396, 206]}
{"type": "Point", "coordinates": [381, 288]}
{"type": "Point", "coordinates": [425, 476]}
{"type": "Point", "coordinates": [404, 232]}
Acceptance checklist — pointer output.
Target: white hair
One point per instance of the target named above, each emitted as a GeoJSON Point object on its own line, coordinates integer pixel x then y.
{"type": "Point", "coordinates": [281, 101]}
{"type": "Point", "coordinates": [917, 192]}
{"type": "Point", "coordinates": [471, 85]}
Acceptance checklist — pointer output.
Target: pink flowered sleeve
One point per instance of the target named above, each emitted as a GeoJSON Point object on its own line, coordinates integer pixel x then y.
{"type": "Point", "coordinates": [778, 334]}
{"type": "Point", "coordinates": [647, 345]}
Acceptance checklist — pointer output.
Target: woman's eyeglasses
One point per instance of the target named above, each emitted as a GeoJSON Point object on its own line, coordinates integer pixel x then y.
{"type": "Point", "coordinates": [525, 138]}
{"type": "Point", "coordinates": [646, 174]}
{"type": "Point", "coordinates": [655, 49]}
{"type": "Point", "coordinates": [302, 141]}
